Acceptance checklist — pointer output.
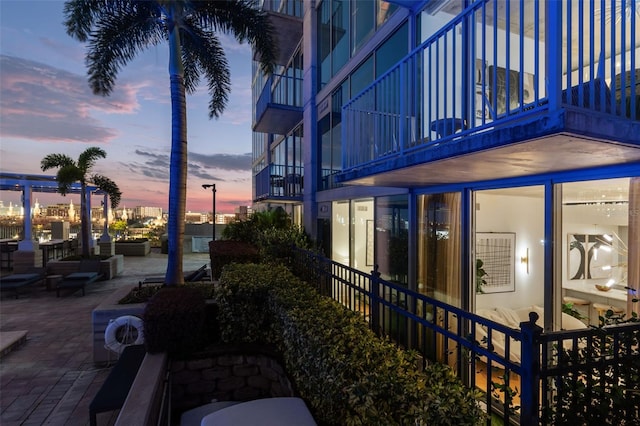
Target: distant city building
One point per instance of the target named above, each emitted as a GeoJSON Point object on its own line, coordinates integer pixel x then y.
{"type": "Point", "coordinates": [194, 217]}
{"type": "Point", "coordinates": [11, 210]}
{"type": "Point", "coordinates": [225, 218]}
{"type": "Point", "coordinates": [142, 212]}
{"type": "Point", "coordinates": [243, 213]}
{"type": "Point", "coordinates": [63, 211]}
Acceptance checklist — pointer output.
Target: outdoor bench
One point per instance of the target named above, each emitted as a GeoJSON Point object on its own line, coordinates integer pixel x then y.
{"type": "Point", "coordinates": [113, 393]}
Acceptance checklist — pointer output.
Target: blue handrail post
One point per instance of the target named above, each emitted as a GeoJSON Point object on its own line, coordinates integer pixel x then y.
{"type": "Point", "coordinates": [554, 29]}
{"type": "Point", "coordinates": [530, 377]}
{"type": "Point", "coordinates": [375, 300]}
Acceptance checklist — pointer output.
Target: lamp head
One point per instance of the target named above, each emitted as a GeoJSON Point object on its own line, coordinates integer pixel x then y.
{"type": "Point", "coordinates": [206, 186]}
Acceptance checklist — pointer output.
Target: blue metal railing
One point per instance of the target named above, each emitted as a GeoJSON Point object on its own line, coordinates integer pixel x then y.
{"type": "Point", "coordinates": [473, 74]}
{"type": "Point", "coordinates": [482, 352]}
{"type": "Point", "coordinates": [279, 181]}
{"type": "Point", "coordinates": [279, 89]}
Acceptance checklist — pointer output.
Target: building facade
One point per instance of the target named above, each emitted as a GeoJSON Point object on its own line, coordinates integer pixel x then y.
{"type": "Point", "coordinates": [484, 153]}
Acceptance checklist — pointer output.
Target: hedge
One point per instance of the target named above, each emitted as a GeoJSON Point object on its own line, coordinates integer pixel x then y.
{"type": "Point", "coordinates": [346, 374]}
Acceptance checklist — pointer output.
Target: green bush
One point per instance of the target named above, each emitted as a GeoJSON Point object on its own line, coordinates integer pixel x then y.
{"type": "Point", "coordinates": [271, 232]}
{"type": "Point", "coordinates": [174, 321]}
{"type": "Point", "coordinates": [346, 374]}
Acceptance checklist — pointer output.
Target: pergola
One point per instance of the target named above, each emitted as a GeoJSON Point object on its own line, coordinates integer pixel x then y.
{"type": "Point", "coordinates": [28, 183]}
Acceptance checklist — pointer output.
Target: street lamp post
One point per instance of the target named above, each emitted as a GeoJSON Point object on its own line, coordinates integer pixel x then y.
{"type": "Point", "coordinates": [213, 216]}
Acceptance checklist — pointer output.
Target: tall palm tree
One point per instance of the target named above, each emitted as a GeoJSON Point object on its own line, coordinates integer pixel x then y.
{"type": "Point", "coordinates": [70, 172]}
{"type": "Point", "coordinates": [117, 30]}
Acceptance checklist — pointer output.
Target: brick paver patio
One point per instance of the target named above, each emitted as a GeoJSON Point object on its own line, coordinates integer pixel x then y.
{"type": "Point", "coordinates": [51, 378]}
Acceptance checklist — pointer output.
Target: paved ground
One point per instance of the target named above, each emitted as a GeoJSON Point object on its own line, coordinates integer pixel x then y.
{"type": "Point", "coordinates": [51, 378]}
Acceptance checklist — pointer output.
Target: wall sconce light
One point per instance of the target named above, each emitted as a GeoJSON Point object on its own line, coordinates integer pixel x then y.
{"type": "Point", "coordinates": [525, 259]}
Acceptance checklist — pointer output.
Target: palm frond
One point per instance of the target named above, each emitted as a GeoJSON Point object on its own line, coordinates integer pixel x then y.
{"type": "Point", "coordinates": [245, 22]}
{"type": "Point", "coordinates": [117, 38]}
{"type": "Point", "coordinates": [88, 158]}
{"type": "Point", "coordinates": [55, 160]}
{"type": "Point", "coordinates": [203, 49]}
{"type": "Point", "coordinates": [110, 187]}
{"type": "Point", "coordinates": [68, 175]}
{"type": "Point", "coordinates": [79, 17]}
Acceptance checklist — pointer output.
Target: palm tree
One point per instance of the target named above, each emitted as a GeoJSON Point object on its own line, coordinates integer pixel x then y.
{"type": "Point", "coordinates": [70, 172]}
{"type": "Point", "coordinates": [117, 30]}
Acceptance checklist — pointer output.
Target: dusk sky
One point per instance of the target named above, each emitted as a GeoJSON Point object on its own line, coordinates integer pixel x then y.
{"type": "Point", "coordinates": [46, 106]}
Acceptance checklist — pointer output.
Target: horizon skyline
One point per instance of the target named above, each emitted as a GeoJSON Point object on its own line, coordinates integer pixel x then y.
{"type": "Point", "coordinates": [46, 106]}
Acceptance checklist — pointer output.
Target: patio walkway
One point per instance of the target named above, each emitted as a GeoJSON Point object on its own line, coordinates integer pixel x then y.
{"type": "Point", "coordinates": [50, 378]}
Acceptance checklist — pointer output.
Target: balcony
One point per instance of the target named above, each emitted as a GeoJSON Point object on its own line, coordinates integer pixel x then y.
{"type": "Point", "coordinates": [286, 19]}
{"type": "Point", "coordinates": [504, 89]}
{"type": "Point", "coordinates": [279, 107]}
{"type": "Point", "coordinates": [279, 183]}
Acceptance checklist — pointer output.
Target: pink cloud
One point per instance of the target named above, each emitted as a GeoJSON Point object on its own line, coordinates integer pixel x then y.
{"type": "Point", "coordinates": [40, 102]}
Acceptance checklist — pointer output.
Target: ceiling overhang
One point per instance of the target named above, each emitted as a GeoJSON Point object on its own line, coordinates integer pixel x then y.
{"type": "Point", "coordinates": [549, 154]}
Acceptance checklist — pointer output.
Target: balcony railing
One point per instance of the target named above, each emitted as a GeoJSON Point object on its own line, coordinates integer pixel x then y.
{"type": "Point", "coordinates": [497, 63]}
{"type": "Point", "coordinates": [279, 106]}
{"type": "Point", "coordinates": [560, 375]}
{"type": "Point", "coordinates": [279, 182]}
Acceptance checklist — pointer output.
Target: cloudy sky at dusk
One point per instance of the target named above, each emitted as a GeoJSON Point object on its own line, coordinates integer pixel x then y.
{"type": "Point", "coordinates": [46, 106]}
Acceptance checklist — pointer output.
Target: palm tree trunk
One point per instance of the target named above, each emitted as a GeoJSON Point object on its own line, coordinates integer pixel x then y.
{"type": "Point", "coordinates": [178, 167]}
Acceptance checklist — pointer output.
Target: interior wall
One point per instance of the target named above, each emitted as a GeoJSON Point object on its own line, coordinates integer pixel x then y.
{"type": "Point", "coordinates": [525, 217]}
{"type": "Point", "coordinates": [340, 232]}
{"type": "Point", "coordinates": [362, 232]}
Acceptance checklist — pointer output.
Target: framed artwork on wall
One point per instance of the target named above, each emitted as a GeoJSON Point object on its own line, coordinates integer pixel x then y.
{"type": "Point", "coordinates": [496, 251]}
{"type": "Point", "coordinates": [587, 255]}
{"type": "Point", "coordinates": [494, 92]}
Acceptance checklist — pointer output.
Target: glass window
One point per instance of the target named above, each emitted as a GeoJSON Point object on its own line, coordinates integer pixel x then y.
{"type": "Point", "coordinates": [324, 132]}
{"type": "Point", "coordinates": [324, 42]}
{"type": "Point", "coordinates": [439, 237]}
{"type": "Point", "coordinates": [362, 77]}
{"type": "Point", "coordinates": [362, 234]}
{"type": "Point", "coordinates": [392, 50]}
{"type": "Point", "coordinates": [509, 227]}
{"type": "Point", "coordinates": [392, 238]}
{"type": "Point", "coordinates": [385, 10]}
{"type": "Point", "coordinates": [600, 235]}
{"type": "Point", "coordinates": [339, 35]}
{"type": "Point", "coordinates": [340, 232]}
{"type": "Point", "coordinates": [362, 22]}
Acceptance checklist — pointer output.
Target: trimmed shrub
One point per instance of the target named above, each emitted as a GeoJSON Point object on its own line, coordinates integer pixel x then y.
{"type": "Point", "coordinates": [174, 321]}
{"type": "Point", "coordinates": [347, 375]}
{"type": "Point", "coordinates": [224, 252]}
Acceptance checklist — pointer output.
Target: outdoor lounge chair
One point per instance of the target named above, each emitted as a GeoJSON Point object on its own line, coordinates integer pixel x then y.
{"type": "Point", "coordinates": [88, 272]}
{"type": "Point", "coordinates": [115, 389]}
{"type": "Point", "coordinates": [200, 274]}
{"type": "Point", "coordinates": [15, 282]}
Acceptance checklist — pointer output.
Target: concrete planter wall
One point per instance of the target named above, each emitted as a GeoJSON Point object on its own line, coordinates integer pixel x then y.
{"type": "Point", "coordinates": [141, 248]}
{"type": "Point", "coordinates": [109, 268]}
{"type": "Point", "coordinates": [105, 312]}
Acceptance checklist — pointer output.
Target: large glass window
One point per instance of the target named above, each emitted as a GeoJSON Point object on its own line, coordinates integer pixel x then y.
{"type": "Point", "coordinates": [329, 129]}
{"type": "Point", "coordinates": [362, 76]}
{"type": "Point", "coordinates": [392, 50]}
{"type": "Point", "coordinates": [509, 254]}
{"type": "Point", "coordinates": [600, 242]}
{"type": "Point", "coordinates": [362, 22]}
{"type": "Point", "coordinates": [392, 238]}
{"type": "Point", "coordinates": [340, 232]}
{"type": "Point", "coordinates": [343, 27]}
{"type": "Point", "coordinates": [362, 234]}
{"type": "Point", "coordinates": [439, 239]}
